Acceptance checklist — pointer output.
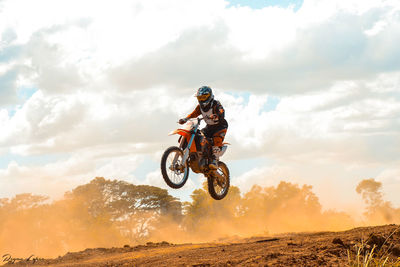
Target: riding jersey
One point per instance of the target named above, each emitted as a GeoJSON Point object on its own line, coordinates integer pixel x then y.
{"type": "Point", "coordinates": [215, 119]}
{"type": "Point", "coordinates": [215, 115]}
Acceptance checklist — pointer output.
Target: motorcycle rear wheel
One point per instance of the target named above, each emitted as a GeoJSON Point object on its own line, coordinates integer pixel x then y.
{"type": "Point", "coordinates": [218, 188]}
{"type": "Point", "coordinates": [175, 175]}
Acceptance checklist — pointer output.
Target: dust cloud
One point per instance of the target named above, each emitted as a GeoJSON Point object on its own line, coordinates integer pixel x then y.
{"type": "Point", "coordinates": [378, 210]}
{"type": "Point", "coordinates": [105, 213]}
{"type": "Point", "coordinates": [50, 229]}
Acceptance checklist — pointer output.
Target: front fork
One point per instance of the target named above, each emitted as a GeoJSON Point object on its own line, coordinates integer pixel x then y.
{"type": "Point", "coordinates": [176, 154]}
{"type": "Point", "coordinates": [185, 152]}
{"type": "Point", "coordinates": [182, 142]}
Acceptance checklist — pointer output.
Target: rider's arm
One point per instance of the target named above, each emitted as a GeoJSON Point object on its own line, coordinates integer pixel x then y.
{"type": "Point", "coordinates": [196, 112]}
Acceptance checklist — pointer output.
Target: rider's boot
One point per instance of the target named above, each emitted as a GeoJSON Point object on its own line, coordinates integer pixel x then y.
{"type": "Point", "coordinates": [214, 163]}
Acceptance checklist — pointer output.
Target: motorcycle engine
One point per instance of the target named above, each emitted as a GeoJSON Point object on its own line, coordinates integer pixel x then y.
{"type": "Point", "coordinates": [194, 163]}
{"type": "Point", "coordinates": [197, 162]}
{"type": "Point", "coordinates": [202, 164]}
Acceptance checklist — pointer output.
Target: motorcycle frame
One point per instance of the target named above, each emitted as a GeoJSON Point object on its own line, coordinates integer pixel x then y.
{"type": "Point", "coordinates": [189, 137]}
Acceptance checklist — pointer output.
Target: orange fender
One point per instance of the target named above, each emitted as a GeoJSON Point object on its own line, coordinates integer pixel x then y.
{"type": "Point", "coordinates": [186, 134]}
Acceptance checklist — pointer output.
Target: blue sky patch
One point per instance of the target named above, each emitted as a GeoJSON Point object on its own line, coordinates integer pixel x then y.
{"type": "Point", "coordinates": [11, 113]}
{"type": "Point", "coordinates": [24, 93]}
{"type": "Point", "coordinates": [7, 81]}
{"type": "Point", "coordinates": [145, 167]}
{"type": "Point", "coordinates": [244, 95]}
{"type": "Point", "coordinates": [239, 167]}
{"type": "Point", "coordinates": [272, 102]}
{"type": "Point", "coordinates": [10, 53]}
{"type": "Point", "coordinates": [32, 160]}
{"type": "Point", "coordinates": [258, 4]}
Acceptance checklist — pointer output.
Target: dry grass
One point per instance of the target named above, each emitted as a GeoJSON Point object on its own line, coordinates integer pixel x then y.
{"type": "Point", "coordinates": [364, 255]}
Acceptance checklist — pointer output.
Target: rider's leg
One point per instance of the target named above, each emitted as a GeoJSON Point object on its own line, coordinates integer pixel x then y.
{"type": "Point", "coordinates": [218, 138]}
{"type": "Point", "coordinates": [208, 132]}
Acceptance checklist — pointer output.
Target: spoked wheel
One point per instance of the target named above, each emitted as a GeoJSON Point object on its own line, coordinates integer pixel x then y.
{"type": "Point", "coordinates": [218, 183]}
{"type": "Point", "coordinates": [173, 170]}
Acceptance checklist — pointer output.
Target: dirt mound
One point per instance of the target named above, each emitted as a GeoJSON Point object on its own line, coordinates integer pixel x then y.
{"type": "Point", "coordinates": [381, 243]}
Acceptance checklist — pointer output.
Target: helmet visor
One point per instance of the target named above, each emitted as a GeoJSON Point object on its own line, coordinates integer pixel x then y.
{"type": "Point", "coordinates": [202, 98]}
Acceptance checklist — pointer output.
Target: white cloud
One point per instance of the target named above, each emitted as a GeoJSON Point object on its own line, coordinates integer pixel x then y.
{"type": "Point", "coordinates": [390, 178]}
{"type": "Point", "coordinates": [262, 176]}
{"type": "Point", "coordinates": [154, 178]}
{"type": "Point", "coordinates": [113, 78]}
{"type": "Point", "coordinates": [59, 123]}
{"type": "Point", "coordinates": [55, 178]}
{"type": "Point", "coordinates": [8, 95]}
{"type": "Point", "coordinates": [151, 43]}
{"type": "Point", "coordinates": [303, 57]}
{"type": "Point", "coordinates": [346, 122]}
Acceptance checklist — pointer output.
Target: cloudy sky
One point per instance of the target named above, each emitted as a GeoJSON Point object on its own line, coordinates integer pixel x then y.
{"type": "Point", "coordinates": [91, 88]}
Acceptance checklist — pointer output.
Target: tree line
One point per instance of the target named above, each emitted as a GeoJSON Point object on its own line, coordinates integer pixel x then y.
{"type": "Point", "coordinates": [106, 213]}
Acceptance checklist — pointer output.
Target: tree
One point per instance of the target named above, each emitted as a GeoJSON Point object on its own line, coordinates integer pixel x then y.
{"type": "Point", "coordinates": [101, 213]}
{"type": "Point", "coordinates": [204, 215]}
{"type": "Point", "coordinates": [378, 210]}
{"type": "Point", "coordinates": [287, 207]}
{"type": "Point", "coordinates": [134, 208]}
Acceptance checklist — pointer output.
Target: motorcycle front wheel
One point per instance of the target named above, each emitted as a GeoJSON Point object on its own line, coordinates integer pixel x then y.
{"type": "Point", "coordinates": [173, 169]}
{"type": "Point", "coordinates": [218, 185]}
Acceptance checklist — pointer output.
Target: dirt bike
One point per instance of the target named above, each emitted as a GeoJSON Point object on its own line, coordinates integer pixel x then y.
{"type": "Point", "coordinates": [194, 151]}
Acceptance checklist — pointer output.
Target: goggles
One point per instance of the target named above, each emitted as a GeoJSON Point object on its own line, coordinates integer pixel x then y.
{"type": "Point", "coordinates": [203, 97]}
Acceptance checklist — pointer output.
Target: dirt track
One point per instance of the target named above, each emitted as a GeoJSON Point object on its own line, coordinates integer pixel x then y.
{"type": "Point", "coordinates": [300, 249]}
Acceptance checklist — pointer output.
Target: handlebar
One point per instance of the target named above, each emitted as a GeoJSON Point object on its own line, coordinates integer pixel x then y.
{"type": "Point", "coordinates": [199, 119]}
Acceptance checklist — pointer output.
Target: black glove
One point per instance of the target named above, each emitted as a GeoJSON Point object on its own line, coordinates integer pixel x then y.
{"type": "Point", "coordinates": [182, 121]}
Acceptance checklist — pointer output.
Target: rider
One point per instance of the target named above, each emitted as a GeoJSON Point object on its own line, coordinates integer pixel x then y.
{"type": "Point", "coordinates": [214, 115]}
